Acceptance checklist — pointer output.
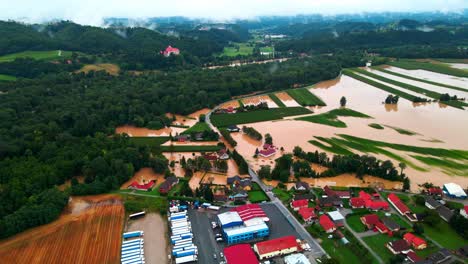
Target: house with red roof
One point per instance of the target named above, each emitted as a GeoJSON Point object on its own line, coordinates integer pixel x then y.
{"type": "Point", "coordinates": [240, 254]}
{"type": "Point", "coordinates": [167, 185]}
{"type": "Point", "coordinates": [377, 205]}
{"type": "Point", "coordinates": [327, 224]}
{"type": "Point", "coordinates": [267, 151]}
{"type": "Point", "coordinates": [401, 207]}
{"type": "Point", "coordinates": [297, 204]}
{"type": "Point", "coordinates": [170, 50]}
{"type": "Point", "coordinates": [277, 247]}
{"type": "Point", "coordinates": [250, 211]}
{"type": "Point", "coordinates": [341, 194]}
{"type": "Point", "coordinates": [415, 241]}
{"type": "Point", "coordinates": [142, 187]}
{"type": "Point", "coordinates": [435, 191]}
{"type": "Point", "coordinates": [356, 202]}
{"type": "Point", "coordinates": [308, 214]}
{"type": "Point", "coordinates": [370, 220]}
{"type": "Point", "coordinates": [381, 228]}
{"type": "Point", "coordinates": [413, 257]}
{"type": "Point", "coordinates": [364, 195]}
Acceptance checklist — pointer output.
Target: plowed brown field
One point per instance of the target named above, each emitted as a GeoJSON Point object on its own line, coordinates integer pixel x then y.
{"type": "Point", "coordinates": [89, 231]}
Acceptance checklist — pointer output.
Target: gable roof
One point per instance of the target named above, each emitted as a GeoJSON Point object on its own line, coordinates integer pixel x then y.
{"type": "Point", "coordinates": [307, 196]}
{"type": "Point", "coordinates": [240, 254]}
{"type": "Point", "coordinates": [357, 202]}
{"type": "Point", "coordinates": [444, 212]}
{"type": "Point", "coordinates": [364, 195]}
{"type": "Point", "coordinates": [304, 185]}
{"type": "Point", "coordinates": [142, 186]}
{"type": "Point", "coordinates": [276, 244]}
{"type": "Point", "coordinates": [400, 206]}
{"type": "Point", "coordinates": [326, 222]}
{"type": "Point", "coordinates": [371, 219]}
{"type": "Point", "coordinates": [375, 205]}
{"type": "Point", "coordinates": [231, 180]}
{"type": "Point", "coordinates": [331, 192]}
{"type": "Point", "coordinates": [307, 212]}
{"type": "Point", "coordinates": [331, 200]}
{"type": "Point", "coordinates": [392, 225]}
{"type": "Point", "coordinates": [413, 257]}
{"type": "Point", "coordinates": [413, 239]}
{"type": "Point", "coordinates": [299, 203]}
{"type": "Point", "coordinates": [432, 202]}
{"type": "Point", "coordinates": [399, 245]}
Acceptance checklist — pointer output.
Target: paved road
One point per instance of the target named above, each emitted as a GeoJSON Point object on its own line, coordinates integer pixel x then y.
{"type": "Point", "coordinates": [358, 237]}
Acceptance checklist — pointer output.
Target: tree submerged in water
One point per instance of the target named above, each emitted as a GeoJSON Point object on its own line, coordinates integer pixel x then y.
{"type": "Point", "coordinates": [343, 101]}
{"type": "Point", "coordinates": [392, 99]}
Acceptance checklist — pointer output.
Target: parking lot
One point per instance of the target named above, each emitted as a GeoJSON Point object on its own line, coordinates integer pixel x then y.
{"type": "Point", "coordinates": [204, 235]}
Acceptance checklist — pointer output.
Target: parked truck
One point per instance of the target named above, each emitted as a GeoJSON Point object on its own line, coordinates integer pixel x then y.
{"type": "Point", "coordinates": [133, 234]}
{"type": "Point", "coordinates": [132, 241]}
{"type": "Point", "coordinates": [186, 259]}
{"type": "Point", "coordinates": [186, 253]}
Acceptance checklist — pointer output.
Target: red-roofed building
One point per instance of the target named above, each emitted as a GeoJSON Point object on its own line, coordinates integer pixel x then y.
{"type": "Point", "coordinates": [170, 50]}
{"type": "Point", "coordinates": [398, 204]}
{"type": "Point", "coordinates": [381, 228]}
{"type": "Point", "coordinates": [377, 205]}
{"type": "Point", "coordinates": [267, 151]}
{"type": "Point", "coordinates": [370, 220]}
{"type": "Point", "coordinates": [435, 191]}
{"type": "Point", "coordinates": [240, 254]}
{"type": "Point", "coordinates": [142, 187]}
{"type": "Point", "coordinates": [250, 211]}
{"type": "Point", "coordinates": [211, 157]}
{"type": "Point", "coordinates": [464, 211]}
{"type": "Point", "coordinates": [277, 247]}
{"type": "Point", "coordinates": [413, 257]}
{"type": "Point", "coordinates": [308, 214]}
{"type": "Point", "coordinates": [357, 202]}
{"type": "Point", "coordinates": [297, 204]}
{"type": "Point", "coordinates": [327, 224]}
{"type": "Point", "coordinates": [364, 195]}
{"type": "Point", "coordinates": [415, 241]}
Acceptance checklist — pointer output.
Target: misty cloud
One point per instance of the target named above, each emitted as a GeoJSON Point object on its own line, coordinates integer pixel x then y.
{"type": "Point", "coordinates": [92, 12]}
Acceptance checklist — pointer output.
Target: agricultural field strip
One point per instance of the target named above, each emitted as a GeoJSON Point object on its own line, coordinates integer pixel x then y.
{"type": "Point", "coordinates": [416, 91]}
{"type": "Point", "coordinates": [436, 89]}
{"type": "Point", "coordinates": [439, 67]}
{"type": "Point", "coordinates": [38, 55]}
{"type": "Point", "coordinates": [4, 77]}
{"type": "Point", "coordinates": [421, 80]}
{"type": "Point", "coordinates": [305, 97]}
{"type": "Point", "coordinates": [331, 118]}
{"type": "Point", "coordinates": [277, 101]}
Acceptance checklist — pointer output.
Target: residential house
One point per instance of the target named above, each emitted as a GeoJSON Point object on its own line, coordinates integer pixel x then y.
{"type": "Point", "coordinates": [330, 201]}
{"type": "Point", "coordinates": [302, 196]}
{"type": "Point", "coordinates": [210, 156]}
{"type": "Point", "coordinates": [307, 214]}
{"type": "Point", "coordinates": [267, 151]}
{"type": "Point", "coordinates": [377, 205]}
{"type": "Point", "coordinates": [464, 211]}
{"type": "Point", "coordinates": [232, 128]}
{"type": "Point", "coordinates": [142, 187]}
{"type": "Point", "coordinates": [412, 257]}
{"type": "Point", "coordinates": [444, 213]}
{"type": "Point", "coordinates": [170, 50]}
{"type": "Point", "coordinates": [401, 207]}
{"type": "Point", "coordinates": [340, 194]}
{"type": "Point", "coordinates": [415, 241]}
{"type": "Point", "coordinates": [398, 247]}
{"type": "Point", "coordinates": [390, 224]}
{"type": "Point", "coordinates": [436, 191]}
{"type": "Point", "coordinates": [337, 217]}
{"type": "Point", "coordinates": [327, 224]}
{"type": "Point", "coordinates": [440, 257]}
{"type": "Point", "coordinates": [182, 138]}
{"type": "Point", "coordinates": [370, 220]}
{"type": "Point", "coordinates": [238, 195]}
{"type": "Point", "coordinates": [222, 154]}
{"type": "Point", "coordinates": [296, 205]}
{"type": "Point", "coordinates": [382, 228]}
{"type": "Point", "coordinates": [431, 203]}
{"type": "Point", "coordinates": [356, 202]}
{"type": "Point", "coordinates": [167, 185]}
{"type": "Point", "coordinates": [301, 186]}
{"type": "Point", "coordinates": [238, 182]}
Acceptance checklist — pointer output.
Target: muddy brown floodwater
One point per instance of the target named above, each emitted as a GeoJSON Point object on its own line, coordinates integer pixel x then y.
{"type": "Point", "coordinates": [433, 76]}
{"type": "Point", "coordinates": [144, 175]}
{"type": "Point", "coordinates": [156, 245]}
{"type": "Point", "coordinates": [134, 131]}
{"type": "Point", "coordinates": [436, 125]}
{"type": "Point", "coordinates": [255, 100]}
{"type": "Point", "coordinates": [287, 99]}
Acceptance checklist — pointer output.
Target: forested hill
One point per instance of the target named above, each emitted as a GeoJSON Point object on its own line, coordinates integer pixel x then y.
{"type": "Point", "coordinates": [123, 45]}
{"type": "Point", "coordinates": [57, 127]}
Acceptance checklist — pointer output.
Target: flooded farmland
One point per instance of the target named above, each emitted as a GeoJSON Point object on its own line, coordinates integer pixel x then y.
{"type": "Point", "coordinates": [462, 66]}
{"type": "Point", "coordinates": [428, 120]}
{"type": "Point", "coordinates": [134, 131]}
{"type": "Point", "coordinates": [144, 176]}
{"type": "Point", "coordinates": [287, 99]}
{"type": "Point", "coordinates": [259, 99]}
{"type": "Point", "coordinates": [433, 76]}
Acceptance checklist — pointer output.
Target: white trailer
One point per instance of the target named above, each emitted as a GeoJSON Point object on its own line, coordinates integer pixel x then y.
{"type": "Point", "coordinates": [179, 242]}
{"type": "Point", "coordinates": [132, 260]}
{"type": "Point", "coordinates": [179, 213]}
{"type": "Point", "coordinates": [214, 208]}
{"type": "Point", "coordinates": [131, 248]}
{"type": "Point", "coordinates": [181, 228]}
{"type": "Point", "coordinates": [188, 244]}
{"type": "Point", "coordinates": [132, 257]}
{"type": "Point", "coordinates": [181, 224]}
{"type": "Point", "coordinates": [131, 253]}
{"type": "Point", "coordinates": [179, 220]}
{"type": "Point", "coordinates": [136, 254]}
{"type": "Point", "coordinates": [132, 245]}
{"type": "Point", "coordinates": [131, 241]}
{"type": "Point", "coordinates": [135, 215]}
{"type": "Point", "coordinates": [186, 259]}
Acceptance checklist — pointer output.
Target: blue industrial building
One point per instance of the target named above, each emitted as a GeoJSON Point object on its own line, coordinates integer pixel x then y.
{"type": "Point", "coordinates": [235, 230]}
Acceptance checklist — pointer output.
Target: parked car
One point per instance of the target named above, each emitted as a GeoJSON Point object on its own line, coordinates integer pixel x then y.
{"type": "Point", "coordinates": [219, 239]}
{"type": "Point", "coordinates": [214, 256]}
{"type": "Point", "coordinates": [221, 254]}
{"type": "Point", "coordinates": [218, 235]}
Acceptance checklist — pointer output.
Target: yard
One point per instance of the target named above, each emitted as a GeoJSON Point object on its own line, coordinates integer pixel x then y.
{"type": "Point", "coordinates": [354, 221]}
{"type": "Point", "coordinates": [305, 98]}
{"type": "Point", "coordinates": [148, 141]}
{"type": "Point", "coordinates": [223, 120]}
{"type": "Point", "coordinates": [198, 127]}
{"type": "Point", "coordinates": [238, 49]}
{"type": "Point", "coordinates": [257, 195]}
{"type": "Point", "coordinates": [284, 196]}
{"type": "Point", "coordinates": [4, 77]}
{"type": "Point", "coordinates": [377, 244]}
{"type": "Point", "coordinates": [444, 235]}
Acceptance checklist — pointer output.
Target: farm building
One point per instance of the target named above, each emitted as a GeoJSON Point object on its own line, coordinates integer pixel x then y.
{"type": "Point", "coordinates": [169, 51]}
{"type": "Point", "coordinates": [240, 254]}
{"type": "Point", "coordinates": [297, 258]}
{"type": "Point", "coordinates": [229, 219]}
{"type": "Point", "coordinates": [267, 151]}
{"type": "Point", "coordinates": [296, 205]}
{"type": "Point", "coordinates": [415, 241]}
{"type": "Point", "coordinates": [435, 191]}
{"type": "Point", "coordinates": [251, 211]}
{"type": "Point", "coordinates": [454, 190]}
{"type": "Point", "coordinates": [167, 185]}
{"type": "Point", "coordinates": [327, 224]}
{"type": "Point", "coordinates": [277, 247]}
{"type": "Point", "coordinates": [142, 187]}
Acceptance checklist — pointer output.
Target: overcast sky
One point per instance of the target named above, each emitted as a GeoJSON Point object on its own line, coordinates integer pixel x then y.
{"type": "Point", "coordinates": [92, 12]}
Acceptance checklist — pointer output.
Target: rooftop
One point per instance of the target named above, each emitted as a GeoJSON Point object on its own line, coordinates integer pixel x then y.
{"type": "Point", "coordinates": [276, 244]}
{"type": "Point", "coordinates": [240, 254]}
{"type": "Point", "coordinates": [336, 216]}
{"type": "Point", "coordinates": [229, 217]}
{"type": "Point", "coordinates": [296, 259]}
{"type": "Point", "coordinates": [237, 230]}
{"type": "Point", "coordinates": [454, 189]}
{"type": "Point", "coordinates": [326, 222]}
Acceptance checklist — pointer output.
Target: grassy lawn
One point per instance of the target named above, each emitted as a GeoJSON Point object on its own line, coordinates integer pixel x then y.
{"type": "Point", "coordinates": [444, 235]}
{"type": "Point", "coordinates": [175, 191]}
{"type": "Point", "coordinates": [331, 118]}
{"type": "Point", "coordinates": [428, 66]}
{"type": "Point", "coordinates": [148, 141]}
{"type": "Point", "coordinates": [305, 98]}
{"type": "Point", "coordinates": [198, 127]}
{"type": "Point", "coordinates": [4, 77]}
{"type": "Point", "coordinates": [283, 195]}
{"type": "Point", "coordinates": [376, 126]}
{"type": "Point", "coordinates": [354, 221]}
{"type": "Point", "coordinates": [377, 244]}
{"type": "Point", "coordinates": [422, 80]}
{"type": "Point", "coordinates": [134, 203]}
{"type": "Point", "coordinates": [422, 91]}
{"type": "Point", "coordinates": [257, 196]}
{"type": "Point", "coordinates": [184, 148]}
{"type": "Point", "coordinates": [242, 49]}
{"type": "Point", "coordinates": [38, 55]}
{"type": "Point", "coordinates": [276, 100]}
{"type": "Point", "coordinates": [223, 120]}
{"type": "Point", "coordinates": [266, 49]}
{"type": "Point", "coordinates": [397, 219]}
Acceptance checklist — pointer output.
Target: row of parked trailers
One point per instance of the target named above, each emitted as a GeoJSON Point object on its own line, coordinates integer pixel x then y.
{"type": "Point", "coordinates": [183, 249]}
{"type": "Point", "coordinates": [132, 248]}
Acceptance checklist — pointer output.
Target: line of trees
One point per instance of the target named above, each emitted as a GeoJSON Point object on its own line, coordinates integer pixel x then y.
{"type": "Point", "coordinates": [227, 135]}
{"type": "Point", "coordinates": [241, 163]}
{"type": "Point", "coordinates": [251, 132]}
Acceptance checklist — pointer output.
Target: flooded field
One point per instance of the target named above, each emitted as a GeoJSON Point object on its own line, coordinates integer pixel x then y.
{"type": "Point", "coordinates": [233, 104]}
{"type": "Point", "coordinates": [427, 86]}
{"type": "Point", "coordinates": [259, 99]}
{"type": "Point", "coordinates": [89, 231]}
{"type": "Point", "coordinates": [428, 120]}
{"type": "Point", "coordinates": [350, 180]}
{"type": "Point", "coordinates": [143, 176]}
{"type": "Point", "coordinates": [197, 114]}
{"type": "Point", "coordinates": [287, 99]}
{"type": "Point", "coordinates": [133, 131]}
{"type": "Point", "coordinates": [462, 66]}
{"type": "Point", "coordinates": [156, 243]}
{"type": "Point", "coordinates": [433, 76]}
